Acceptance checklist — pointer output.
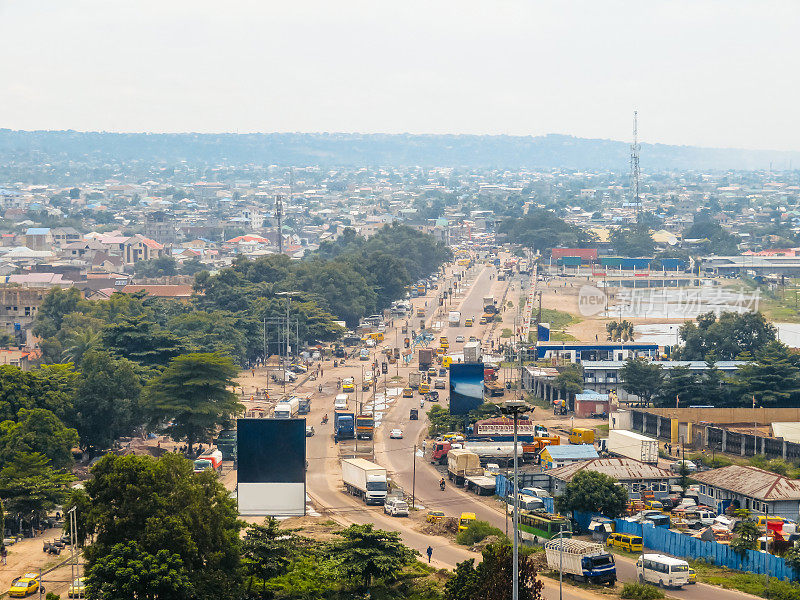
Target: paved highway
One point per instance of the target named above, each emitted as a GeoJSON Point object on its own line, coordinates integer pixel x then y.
{"type": "Point", "coordinates": [324, 474]}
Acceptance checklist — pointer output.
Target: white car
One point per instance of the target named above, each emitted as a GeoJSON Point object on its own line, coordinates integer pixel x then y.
{"type": "Point", "coordinates": [396, 507]}
{"type": "Point", "coordinates": [396, 434]}
{"type": "Point", "coordinates": [459, 339]}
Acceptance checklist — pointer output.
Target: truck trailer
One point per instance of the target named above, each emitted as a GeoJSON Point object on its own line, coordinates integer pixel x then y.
{"type": "Point", "coordinates": [462, 464]}
{"type": "Point", "coordinates": [414, 379]}
{"type": "Point", "coordinates": [632, 445]}
{"type": "Point", "coordinates": [286, 409]}
{"type": "Point", "coordinates": [581, 561]}
{"type": "Point", "coordinates": [454, 318]}
{"type": "Point", "coordinates": [472, 352]}
{"type": "Point", "coordinates": [426, 358]}
{"type": "Point", "coordinates": [209, 460]}
{"type": "Point", "coordinates": [365, 480]}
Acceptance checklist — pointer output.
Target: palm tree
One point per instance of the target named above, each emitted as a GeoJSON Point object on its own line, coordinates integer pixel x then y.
{"type": "Point", "coordinates": [79, 343]}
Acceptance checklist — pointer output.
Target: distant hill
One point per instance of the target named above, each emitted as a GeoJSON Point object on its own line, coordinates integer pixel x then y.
{"type": "Point", "coordinates": [341, 149]}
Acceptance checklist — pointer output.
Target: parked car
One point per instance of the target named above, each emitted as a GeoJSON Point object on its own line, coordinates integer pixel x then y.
{"type": "Point", "coordinates": [439, 384]}
{"type": "Point", "coordinates": [25, 586]}
{"type": "Point", "coordinates": [397, 507]}
{"type": "Point", "coordinates": [396, 434]}
{"type": "Point", "coordinates": [434, 516]}
{"type": "Point", "coordinates": [459, 339]}
{"type": "Point", "coordinates": [676, 466]}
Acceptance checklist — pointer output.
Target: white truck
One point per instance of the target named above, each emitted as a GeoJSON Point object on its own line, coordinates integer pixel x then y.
{"type": "Point", "coordinates": [462, 464]}
{"type": "Point", "coordinates": [632, 445]}
{"type": "Point", "coordinates": [472, 352]}
{"type": "Point", "coordinates": [365, 480]}
{"type": "Point", "coordinates": [286, 409]}
{"type": "Point", "coordinates": [414, 379]}
{"type": "Point", "coordinates": [454, 318]}
{"type": "Point", "coordinates": [581, 561]}
{"type": "Point", "coordinates": [499, 450]}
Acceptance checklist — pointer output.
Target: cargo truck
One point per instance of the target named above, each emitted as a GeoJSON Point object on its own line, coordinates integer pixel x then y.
{"type": "Point", "coordinates": [209, 460]}
{"type": "Point", "coordinates": [426, 358]}
{"type": "Point", "coordinates": [488, 305]}
{"type": "Point", "coordinates": [414, 379]}
{"type": "Point", "coordinates": [632, 445]}
{"type": "Point", "coordinates": [462, 464]}
{"type": "Point", "coordinates": [344, 425]}
{"type": "Point", "coordinates": [365, 480]}
{"type": "Point", "coordinates": [365, 427]}
{"type": "Point", "coordinates": [581, 561]}
{"type": "Point", "coordinates": [286, 409]}
{"type": "Point", "coordinates": [472, 352]}
{"type": "Point", "coordinates": [454, 318]}
{"type": "Point", "coordinates": [489, 451]}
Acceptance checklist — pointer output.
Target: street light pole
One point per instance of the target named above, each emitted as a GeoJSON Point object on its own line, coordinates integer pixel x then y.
{"type": "Point", "coordinates": [515, 407]}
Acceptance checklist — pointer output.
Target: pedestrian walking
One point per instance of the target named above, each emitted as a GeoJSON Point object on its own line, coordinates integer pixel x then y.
{"type": "Point", "coordinates": [429, 552]}
{"type": "Point", "coordinates": [4, 554]}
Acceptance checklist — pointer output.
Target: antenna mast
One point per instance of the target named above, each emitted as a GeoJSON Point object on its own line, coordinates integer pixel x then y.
{"type": "Point", "coordinates": [635, 147]}
{"type": "Point", "coordinates": [279, 218]}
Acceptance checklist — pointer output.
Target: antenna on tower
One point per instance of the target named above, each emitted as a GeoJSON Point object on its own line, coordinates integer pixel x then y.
{"type": "Point", "coordinates": [635, 147]}
{"type": "Point", "coordinates": [279, 219]}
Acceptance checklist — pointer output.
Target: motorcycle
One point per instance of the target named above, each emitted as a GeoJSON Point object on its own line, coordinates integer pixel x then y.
{"type": "Point", "coordinates": [441, 485]}
{"type": "Point", "coordinates": [324, 419]}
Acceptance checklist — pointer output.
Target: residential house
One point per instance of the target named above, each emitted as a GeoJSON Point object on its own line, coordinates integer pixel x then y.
{"type": "Point", "coordinates": [633, 475]}
{"type": "Point", "coordinates": [39, 238]}
{"type": "Point", "coordinates": [553, 457]}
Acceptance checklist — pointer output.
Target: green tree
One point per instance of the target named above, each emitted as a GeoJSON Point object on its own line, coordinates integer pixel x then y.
{"type": "Point", "coordinates": [266, 550]}
{"type": "Point", "coordinates": [747, 538]}
{"type": "Point", "coordinates": [161, 505]}
{"type": "Point", "coordinates": [38, 431]}
{"type": "Point", "coordinates": [163, 266]}
{"type": "Point", "coordinates": [368, 554]}
{"type": "Point", "coordinates": [633, 241]}
{"type": "Point", "coordinates": [641, 378]}
{"type": "Point", "coordinates": [80, 501]}
{"type": "Point", "coordinates": [679, 382]}
{"type": "Point", "coordinates": [128, 571]}
{"type": "Point", "coordinates": [29, 487]}
{"type": "Point", "coordinates": [727, 337]}
{"type": "Point", "coordinates": [142, 341]}
{"type": "Point", "coordinates": [542, 230]}
{"type": "Point", "coordinates": [491, 579]}
{"type": "Point", "coordinates": [773, 379]}
{"type": "Point", "coordinates": [192, 266]}
{"type": "Point", "coordinates": [78, 344]}
{"type": "Point", "coordinates": [590, 491]}
{"type": "Point", "coordinates": [56, 304]}
{"type": "Point", "coordinates": [107, 400]}
{"type": "Point", "coordinates": [192, 397]}
{"type": "Point", "coordinates": [570, 380]}
{"type": "Point", "coordinates": [216, 331]}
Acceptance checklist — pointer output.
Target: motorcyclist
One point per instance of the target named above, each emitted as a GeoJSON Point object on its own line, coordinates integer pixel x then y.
{"type": "Point", "coordinates": [325, 418]}
{"type": "Point", "coordinates": [441, 483]}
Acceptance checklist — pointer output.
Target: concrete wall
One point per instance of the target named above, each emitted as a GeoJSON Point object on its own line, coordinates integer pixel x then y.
{"type": "Point", "coordinates": [728, 416]}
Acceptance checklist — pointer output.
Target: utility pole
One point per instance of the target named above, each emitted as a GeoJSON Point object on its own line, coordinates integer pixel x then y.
{"type": "Point", "coordinates": [279, 220]}
{"type": "Point", "coordinates": [414, 478]}
{"type": "Point", "coordinates": [515, 407]}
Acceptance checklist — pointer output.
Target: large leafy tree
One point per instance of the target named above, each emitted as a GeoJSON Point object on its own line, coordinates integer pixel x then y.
{"type": "Point", "coordinates": [641, 378]}
{"type": "Point", "coordinates": [590, 491]}
{"type": "Point", "coordinates": [542, 230]}
{"type": "Point", "coordinates": [192, 397]}
{"type": "Point", "coordinates": [772, 379]}
{"type": "Point", "coordinates": [367, 554]}
{"type": "Point", "coordinates": [266, 550]}
{"type": "Point", "coordinates": [142, 341]}
{"type": "Point", "coordinates": [633, 241]}
{"type": "Point", "coordinates": [216, 331]}
{"type": "Point", "coordinates": [56, 304]}
{"type": "Point", "coordinates": [491, 579]}
{"type": "Point", "coordinates": [107, 399]}
{"type": "Point", "coordinates": [727, 337]}
{"type": "Point", "coordinates": [127, 571]}
{"type": "Point", "coordinates": [679, 382]}
{"type": "Point", "coordinates": [38, 431]}
{"type": "Point", "coordinates": [29, 487]}
{"type": "Point", "coordinates": [161, 505]}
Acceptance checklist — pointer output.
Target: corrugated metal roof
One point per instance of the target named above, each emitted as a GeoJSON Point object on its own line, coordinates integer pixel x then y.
{"type": "Point", "coordinates": [621, 469]}
{"type": "Point", "coordinates": [752, 482]}
{"type": "Point", "coordinates": [572, 451]}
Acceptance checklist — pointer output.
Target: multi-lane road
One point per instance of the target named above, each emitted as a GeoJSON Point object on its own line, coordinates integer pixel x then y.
{"type": "Point", "coordinates": [397, 455]}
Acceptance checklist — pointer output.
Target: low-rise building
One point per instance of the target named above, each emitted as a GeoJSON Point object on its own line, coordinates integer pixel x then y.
{"type": "Point", "coordinates": [757, 490]}
{"type": "Point", "coordinates": [633, 475]}
{"type": "Point", "coordinates": [553, 457]}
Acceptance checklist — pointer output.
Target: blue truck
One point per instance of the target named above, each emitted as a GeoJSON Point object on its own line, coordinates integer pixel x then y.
{"type": "Point", "coordinates": [344, 425]}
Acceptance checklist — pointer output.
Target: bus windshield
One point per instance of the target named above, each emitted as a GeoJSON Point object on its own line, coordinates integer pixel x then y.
{"type": "Point", "coordinates": [678, 568]}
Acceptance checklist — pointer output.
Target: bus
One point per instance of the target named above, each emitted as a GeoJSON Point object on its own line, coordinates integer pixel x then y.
{"type": "Point", "coordinates": [662, 570]}
{"type": "Point", "coordinates": [536, 527]}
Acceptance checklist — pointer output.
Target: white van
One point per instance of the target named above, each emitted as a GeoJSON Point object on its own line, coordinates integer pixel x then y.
{"type": "Point", "coordinates": [662, 570]}
{"type": "Point", "coordinates": [340, 403]}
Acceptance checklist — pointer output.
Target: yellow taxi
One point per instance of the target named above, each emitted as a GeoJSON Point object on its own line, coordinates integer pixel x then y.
{"type": "Point", "coordinates": [469, 323]}
{"type": "Point", "coordinates": [408, 393]}
{"type": "Point", "coordinates": [348, 385]}
{"type": "Point", "coordinates": [24, 586]}
{"type": "Point", "coordinates": [432, 372]}
{"type": "Point", "coordinates": [424, 388]}
{"type": "Point", "coordinates": [692, 575]}
{"type": "Point", "coordinates": [434, 516]}
{"type": "Point", "coordinates": [465, 520]}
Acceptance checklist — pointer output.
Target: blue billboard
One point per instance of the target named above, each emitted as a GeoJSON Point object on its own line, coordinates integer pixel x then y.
{"type": "Point", "coordinates": [466, 387]}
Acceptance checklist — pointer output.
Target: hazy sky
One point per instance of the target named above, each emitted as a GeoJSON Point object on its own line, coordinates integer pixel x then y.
{"type": "Point", "coordinates": [710, 73]}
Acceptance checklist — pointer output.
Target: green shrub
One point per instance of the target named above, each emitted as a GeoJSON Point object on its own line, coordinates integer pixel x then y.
{"type": "Point", "coordinates": [477, 531]}
{"type": "Point", "coordinates": [640, 591]}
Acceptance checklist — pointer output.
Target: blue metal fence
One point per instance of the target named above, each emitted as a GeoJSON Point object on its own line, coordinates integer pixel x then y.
{"type": "Point", "coordinates": [684, 546]}
{"type": "Point", "coordinates": [503, 487]}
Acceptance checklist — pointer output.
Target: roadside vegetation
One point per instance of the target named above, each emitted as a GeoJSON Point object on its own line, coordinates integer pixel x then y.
{"type": "Point", "coordinates": [749, 583]}
{"type": "Point", "coordinates": [476, 532]}
{"type": "Point", "coordinates": [640, 591]}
